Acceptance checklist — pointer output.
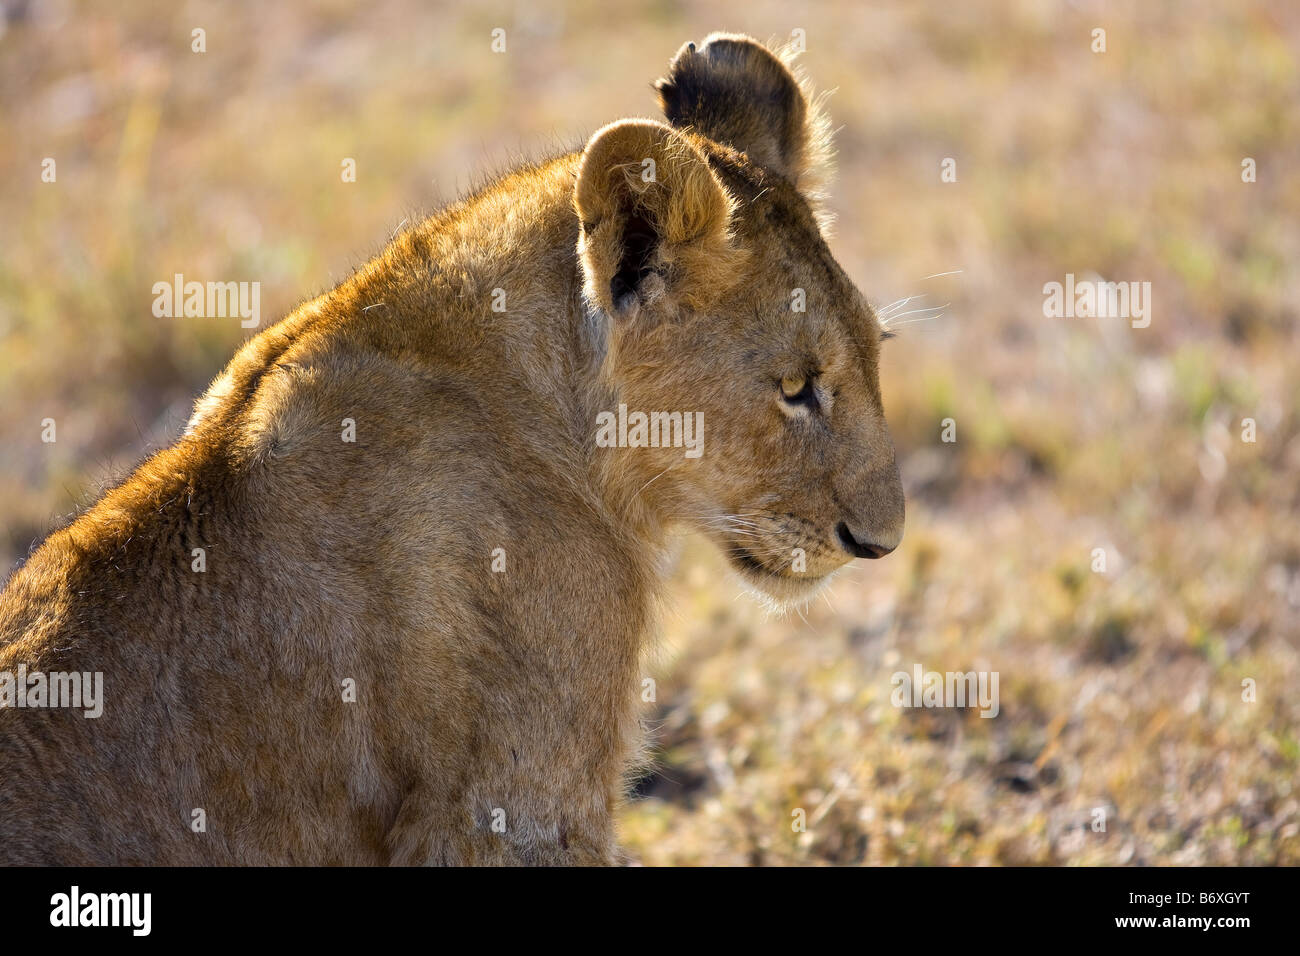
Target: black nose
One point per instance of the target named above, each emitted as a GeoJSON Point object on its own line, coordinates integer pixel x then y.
{"type": "Point", "coordinates": [859, 549]}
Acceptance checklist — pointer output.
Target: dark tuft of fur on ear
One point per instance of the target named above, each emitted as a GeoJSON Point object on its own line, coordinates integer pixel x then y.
{"type": "Point", "coordinates": [736, 91]}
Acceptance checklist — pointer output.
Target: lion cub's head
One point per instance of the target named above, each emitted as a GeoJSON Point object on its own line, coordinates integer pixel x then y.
{"type": "Point", "coordinates": [702, 245]}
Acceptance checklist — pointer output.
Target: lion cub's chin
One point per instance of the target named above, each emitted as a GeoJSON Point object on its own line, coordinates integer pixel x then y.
{"type": "Point", "coordinates": [780, 592]}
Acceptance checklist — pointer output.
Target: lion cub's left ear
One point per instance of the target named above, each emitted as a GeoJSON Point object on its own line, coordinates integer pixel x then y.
{"type": "Point", "coordinates": [655, 221]}
{"type": "Point", "coordinates": [736, 91]}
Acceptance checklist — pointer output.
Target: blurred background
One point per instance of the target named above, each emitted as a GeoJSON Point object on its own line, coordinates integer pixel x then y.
{"type": "Point", "coordinates": [1121, 690]}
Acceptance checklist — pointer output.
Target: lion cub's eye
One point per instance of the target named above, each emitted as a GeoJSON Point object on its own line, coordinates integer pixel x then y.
{"type": "Point", "coordinates": [798, 390]}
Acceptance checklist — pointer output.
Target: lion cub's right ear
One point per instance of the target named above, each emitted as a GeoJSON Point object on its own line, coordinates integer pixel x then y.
{"type": "Point", "coordinates": [656, 222]}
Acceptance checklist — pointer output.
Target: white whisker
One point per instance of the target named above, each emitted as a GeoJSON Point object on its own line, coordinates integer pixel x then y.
{"type": "Point", "coordinates": [933, 308]}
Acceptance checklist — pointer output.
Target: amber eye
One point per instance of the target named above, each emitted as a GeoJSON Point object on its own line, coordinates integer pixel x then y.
{"type": "Point", "coordinates": [798, 390]}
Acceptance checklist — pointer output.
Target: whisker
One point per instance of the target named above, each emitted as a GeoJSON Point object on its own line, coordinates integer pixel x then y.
{"type": "Point", "coordinates": [928, 318]}
{"type": "Point", "coordinates": [729, 524]}
{"type": "Point", "coordinates": [898, 304]}
{"type": "Point", "coordinates": [652, 481]}
{"type": "Point", "coordinates": [933, 308]}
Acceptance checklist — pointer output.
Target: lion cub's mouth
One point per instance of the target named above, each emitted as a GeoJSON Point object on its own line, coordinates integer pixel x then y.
{"type": "Point", "coordinates": [751, 563]}
{"type": "Point", "coordinates": [777, 585]}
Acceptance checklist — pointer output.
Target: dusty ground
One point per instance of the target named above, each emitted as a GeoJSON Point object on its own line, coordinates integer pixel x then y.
{"type": "Point", "coordinates": [1120, 690]}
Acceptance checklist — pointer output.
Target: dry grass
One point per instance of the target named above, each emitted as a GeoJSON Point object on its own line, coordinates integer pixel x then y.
{"type": "Point", "coordinates": [1120, 690]}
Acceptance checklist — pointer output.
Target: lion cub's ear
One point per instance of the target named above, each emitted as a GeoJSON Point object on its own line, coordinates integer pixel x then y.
{"type": "Point", "coordinates": [736, 91]}
{"type": "Point", "coordinates": [655, 220]}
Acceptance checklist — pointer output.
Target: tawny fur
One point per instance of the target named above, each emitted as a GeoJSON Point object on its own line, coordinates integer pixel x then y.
{"type": "Point", "coordinates": [480, 696]}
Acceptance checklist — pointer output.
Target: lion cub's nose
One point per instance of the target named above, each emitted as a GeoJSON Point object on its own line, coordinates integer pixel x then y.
{"type": "Point", "coordinates": [861, 547]}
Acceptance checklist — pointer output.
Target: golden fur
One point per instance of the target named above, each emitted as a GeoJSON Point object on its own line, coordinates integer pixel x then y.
{"type": "Point", "coordinates": [495, 711]}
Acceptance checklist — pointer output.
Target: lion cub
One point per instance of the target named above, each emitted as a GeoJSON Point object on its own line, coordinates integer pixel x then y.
{"type": "Point", "coordinates": [385, 601]}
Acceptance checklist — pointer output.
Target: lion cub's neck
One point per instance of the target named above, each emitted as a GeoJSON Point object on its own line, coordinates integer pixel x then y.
{"type": "Point", "coordinates": [507, 300]}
